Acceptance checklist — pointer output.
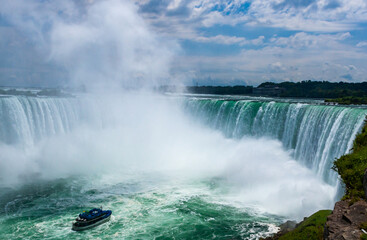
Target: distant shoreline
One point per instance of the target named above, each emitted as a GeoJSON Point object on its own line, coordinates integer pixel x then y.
{"type": "Point", "coordinates": [333, 93]}
{"type": "Point", "coordinates": [343, 93]}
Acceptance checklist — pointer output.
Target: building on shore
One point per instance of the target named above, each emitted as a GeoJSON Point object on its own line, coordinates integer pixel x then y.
{"type": "Point", "coordinates": [268, 90]}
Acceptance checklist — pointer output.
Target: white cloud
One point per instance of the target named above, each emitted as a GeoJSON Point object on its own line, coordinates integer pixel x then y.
{"type": "Point", "coordinates": [277, 67]}
{"type": "Point", "coordinates": [362, 44]}
{"type": "Point", "coordinates": [229, 40]}
{"type": "Point", "coordinates": [350, 67]}
{"type": "Point", "coordinates": [258, 41]}
{"type": "Point", "coordinates": [309, 16]}
{"type": "Point", "coordinates": [303, 40]}
{"type": "Point", "coordinates": [174, 4]}
{"type": "Point", "coordinates": [299, 57]}
{"type": "Point", "coordinates": [313, 16]}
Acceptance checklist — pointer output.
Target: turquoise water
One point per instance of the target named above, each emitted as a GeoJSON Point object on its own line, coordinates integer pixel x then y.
{"type": "Point", "coordinates": [168, 168]}
{"type": "Point", "coordinates": [144, 207]}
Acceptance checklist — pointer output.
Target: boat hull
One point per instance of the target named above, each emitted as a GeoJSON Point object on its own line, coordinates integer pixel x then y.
{"type": "Point", "coordinates": [81, 228]}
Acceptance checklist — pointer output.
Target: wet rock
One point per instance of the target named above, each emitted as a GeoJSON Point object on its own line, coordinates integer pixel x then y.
{"type": "Point", "coordinates": [344, 223]}
{"type": "Point", "coordinates": [287, 226]}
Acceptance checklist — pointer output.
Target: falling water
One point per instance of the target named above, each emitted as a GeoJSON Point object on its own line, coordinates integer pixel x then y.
{"type": "Point", "coordinates": [316, 134]}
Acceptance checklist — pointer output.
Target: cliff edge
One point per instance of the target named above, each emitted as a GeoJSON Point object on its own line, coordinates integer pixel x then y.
{"type": "Point", "coordinates": [348, 220]}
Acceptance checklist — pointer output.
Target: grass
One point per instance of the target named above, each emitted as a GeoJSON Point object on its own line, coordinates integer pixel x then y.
{"type": "Point", "coordinates": [311, 228]}
{"type": "Point", "coordinates": [349, 100]}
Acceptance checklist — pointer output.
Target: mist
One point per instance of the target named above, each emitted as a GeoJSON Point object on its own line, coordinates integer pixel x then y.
{"type": "Point", "coordinates": [103, 45]}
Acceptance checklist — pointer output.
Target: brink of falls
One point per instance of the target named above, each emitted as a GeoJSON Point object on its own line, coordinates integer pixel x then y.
{"type": "Point", "coordinates": [316, 134]}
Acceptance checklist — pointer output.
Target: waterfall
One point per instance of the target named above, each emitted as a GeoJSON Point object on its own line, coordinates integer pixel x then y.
{"type": "Point", "coordinates": [316, 134]}
{"type": "Point", "coordinates": [25, 120]}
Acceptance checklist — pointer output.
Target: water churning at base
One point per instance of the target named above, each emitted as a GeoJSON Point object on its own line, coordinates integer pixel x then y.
{"type": "Point", "coordinates": [47, 138]}
{"type": "Point", "coordinates": [316, 134]}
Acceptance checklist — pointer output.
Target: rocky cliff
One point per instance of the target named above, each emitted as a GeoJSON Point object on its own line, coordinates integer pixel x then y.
{"type": "Point", "coordinates": [348, 220]}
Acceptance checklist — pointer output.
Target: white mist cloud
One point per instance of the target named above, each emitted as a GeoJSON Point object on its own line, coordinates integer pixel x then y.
{"type": "Point", "coordinates": [144, 133]}
{"type": "Point", "coordinates": [99, 43]}
{"type": "Point", "coordinates": [111, 44]}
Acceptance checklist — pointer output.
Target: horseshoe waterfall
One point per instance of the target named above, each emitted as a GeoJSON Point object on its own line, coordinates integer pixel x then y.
{"type": "Point", "coordinates": [182, 167]}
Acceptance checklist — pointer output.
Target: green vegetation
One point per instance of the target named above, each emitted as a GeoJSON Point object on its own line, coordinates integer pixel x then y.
{"type": "Point", "coordinates": [363, 226]}
{"type": "Point", "coordinates": [351, 167]}
{"type": "Point", "coordinates": [304, 89]}
{"type": "Point", "coordinates": [319, 89]}
{"type": "Point", "coordinates": [311, 228]}
{"type": "Point", "coordinates": [348, 100]}
{"type": "Point", "coordinates": [44, 92]}
{"type": "Point", "coordinates": [16, 92]}
{"type": "Point", "coordinates": [53, 93]}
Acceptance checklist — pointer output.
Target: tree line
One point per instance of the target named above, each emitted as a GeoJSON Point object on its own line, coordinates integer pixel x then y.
{"type": "Point", "coordinates": [304, 89]}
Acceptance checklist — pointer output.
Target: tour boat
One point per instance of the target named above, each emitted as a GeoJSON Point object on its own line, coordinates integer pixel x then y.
{"type": "Point", "coordinates": [92, 218]}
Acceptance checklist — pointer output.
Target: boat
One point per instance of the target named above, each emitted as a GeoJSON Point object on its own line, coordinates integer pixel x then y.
{"type": "Point", "coordinates": [92, 218]}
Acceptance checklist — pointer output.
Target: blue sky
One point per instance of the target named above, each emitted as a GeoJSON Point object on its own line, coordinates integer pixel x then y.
{"type": "Point", "coordinates": [211, 42]}
{"type": "Point", "coordinates": [247, 42]}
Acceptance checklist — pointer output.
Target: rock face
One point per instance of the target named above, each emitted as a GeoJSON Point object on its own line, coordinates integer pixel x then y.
{"type": "Point", "coordinates": [287, 227]}
{"type": "Point", "coordinates": [344, 223]}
